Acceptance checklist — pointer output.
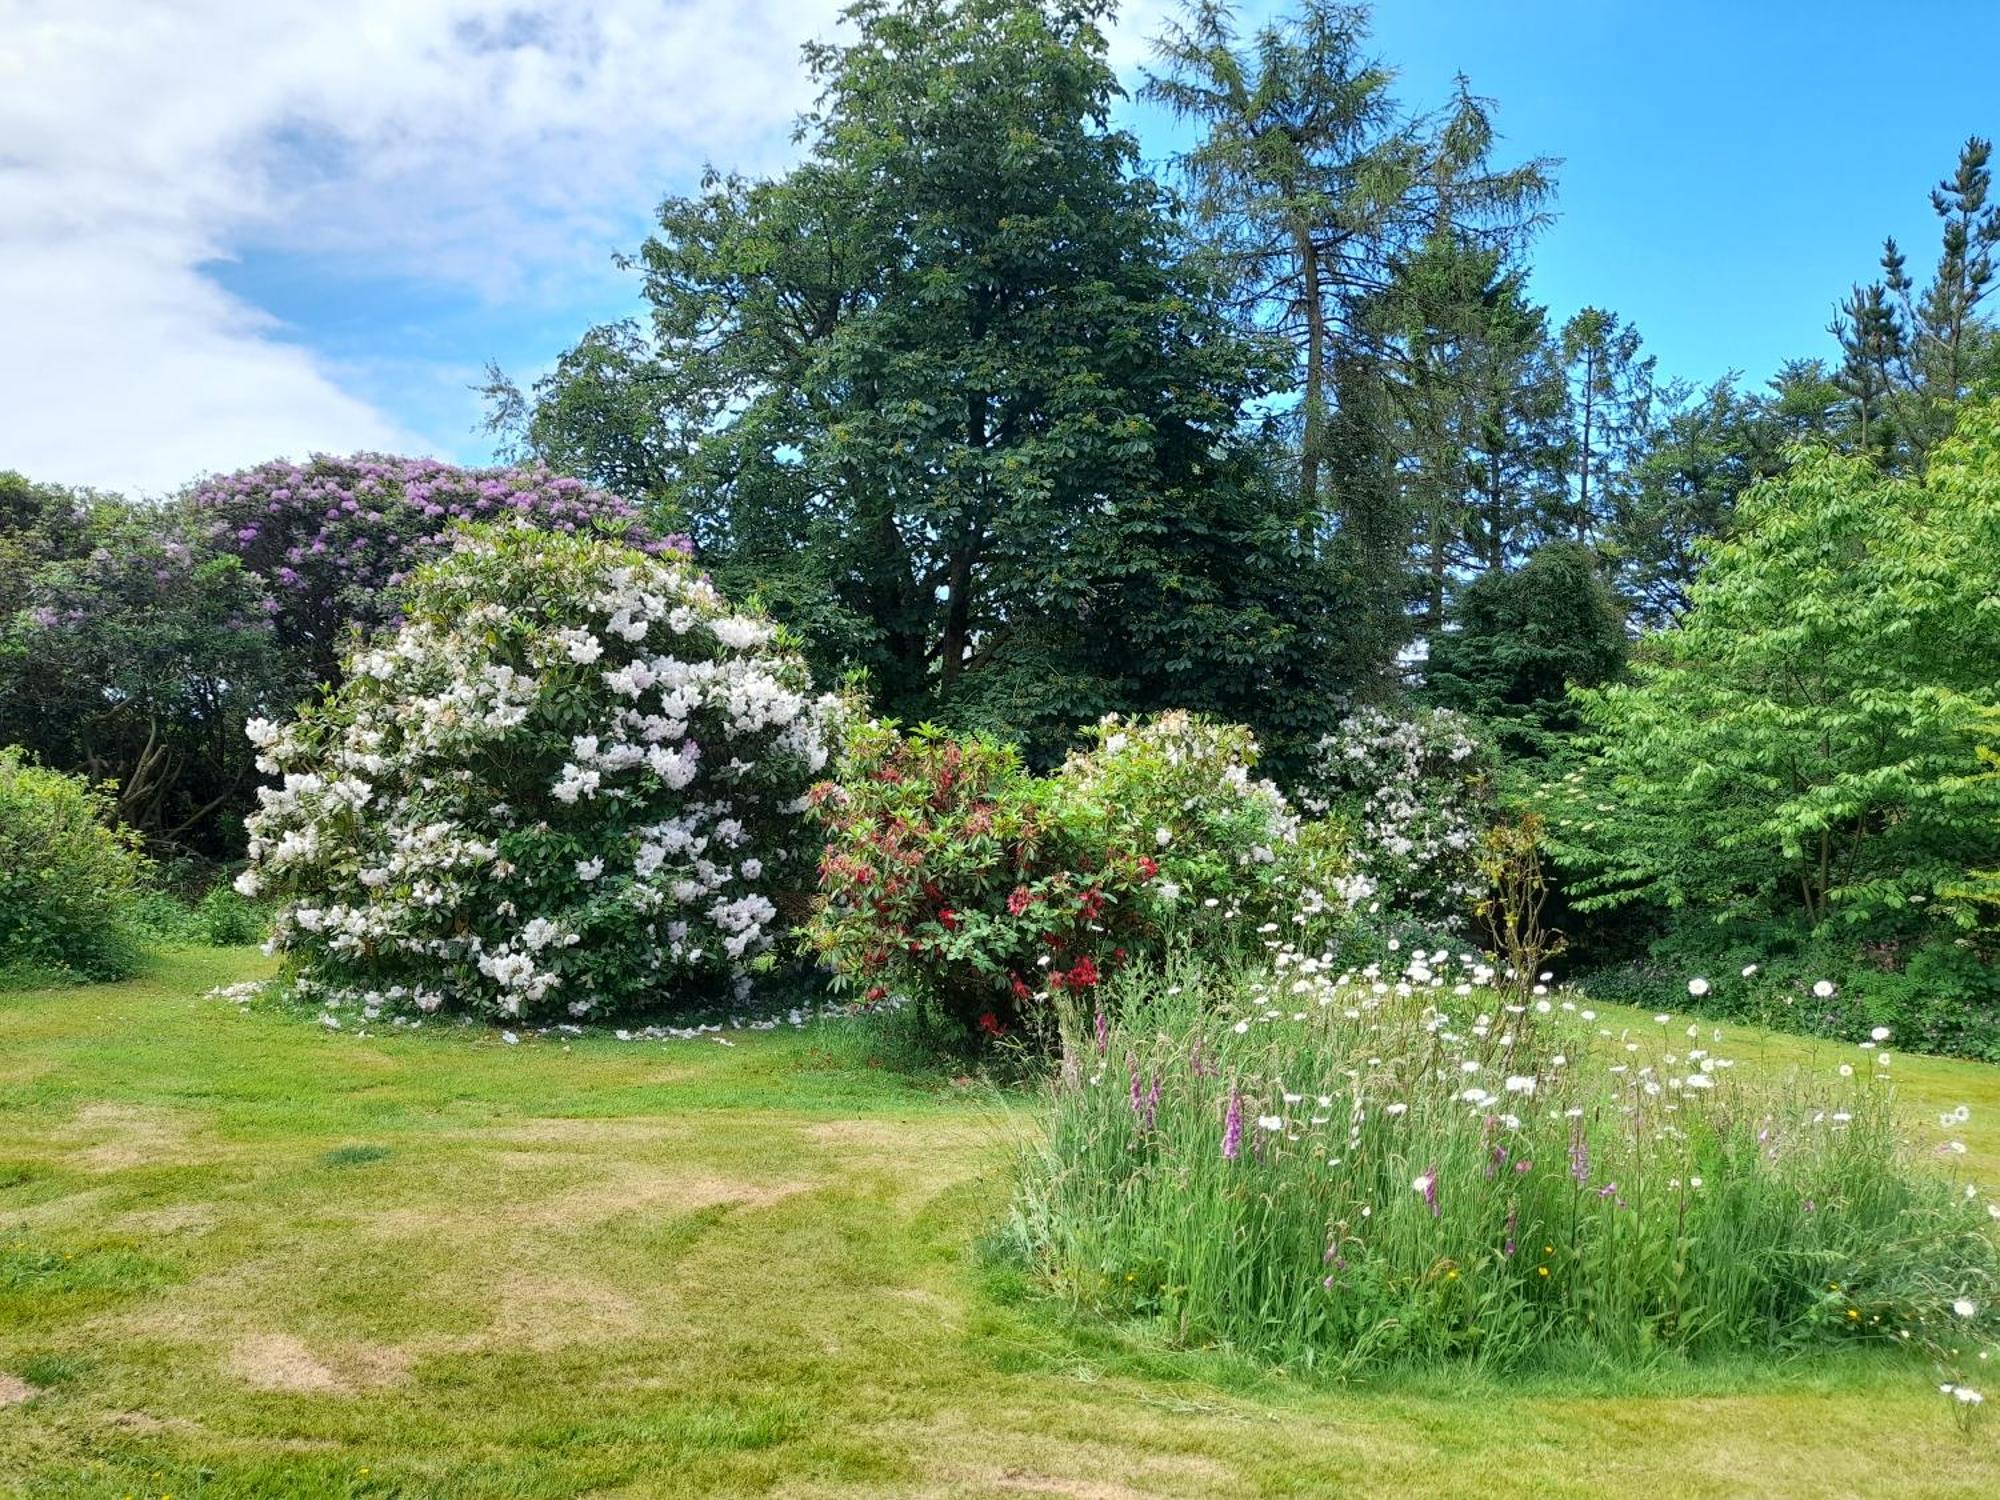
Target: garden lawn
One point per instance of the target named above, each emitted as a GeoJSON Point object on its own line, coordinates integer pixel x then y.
{"type": "Point", "coordinates": [242, 1256]}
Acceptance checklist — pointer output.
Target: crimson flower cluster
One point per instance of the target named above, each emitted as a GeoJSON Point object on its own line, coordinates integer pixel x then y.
{"type": "Point", "coordinates": [952, 874]}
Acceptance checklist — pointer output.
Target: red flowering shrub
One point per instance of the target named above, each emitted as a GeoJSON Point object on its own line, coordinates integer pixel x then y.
{"type": "Point", "coordinates": [952, 874]}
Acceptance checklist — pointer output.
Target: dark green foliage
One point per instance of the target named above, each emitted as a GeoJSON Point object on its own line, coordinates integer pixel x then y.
{"type": "Point", "coordinates": [1371, 536]}
{"type": "Point", "coordinates": [227, 919]}
{"type": "Point", "coordinates": [1704, 450]}
{"type": "Point", "coordinates": [1373, 243]}
{"type": "Point", "coordinates": [948, 399]}
{"type": "Point", "coordinates": [68, 878]}
{"type": "Point", "coordinates": [1910, 356]}
{"type": "Point", "coordinates": [1519, 640]}
{"type": "Point", "coordinates": [134, 656]}
{"type": "Point", "coordinates": [1481, 406]}
{"type": "Point", "coordinates": [1611, 390]}
{"type": "Point", "coordinates": [1310, 182]}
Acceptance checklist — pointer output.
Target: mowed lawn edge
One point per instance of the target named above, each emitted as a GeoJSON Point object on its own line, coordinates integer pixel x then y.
{"type": "Point", "coordinates": [240, 1256]}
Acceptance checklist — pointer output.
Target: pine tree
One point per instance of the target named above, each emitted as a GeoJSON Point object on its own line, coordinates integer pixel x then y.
{"type": "Point", "coordinates": [1611, 390]}
{"type": "Point", "coordinates": [1479, 400]}
{"type": "Point", "coordinates": [1872, 352]}
{"type": "Point", "coordinates": [1308, 182]}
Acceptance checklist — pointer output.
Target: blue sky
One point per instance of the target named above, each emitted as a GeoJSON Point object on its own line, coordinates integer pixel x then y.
{"type": "Point", "coordinates": [232, 230]}
{"type": "Point", "coordinates": [1728, 169]}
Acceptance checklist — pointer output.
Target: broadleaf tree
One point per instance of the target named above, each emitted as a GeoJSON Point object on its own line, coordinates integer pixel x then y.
{"type": "Point", "coordinates": [951, 398]}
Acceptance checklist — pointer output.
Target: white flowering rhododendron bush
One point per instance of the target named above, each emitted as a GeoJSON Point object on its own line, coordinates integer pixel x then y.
{"type": "Point", "coordinates": [1184, 789]}
{"type": "Point", "coordinates": [568, 784]}
{"type": "Point", "coordinates": [1415, 791]}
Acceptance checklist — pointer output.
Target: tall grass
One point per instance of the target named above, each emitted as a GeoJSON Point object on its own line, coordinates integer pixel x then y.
{"type": "Point", "coordinates": [1348, 1171]}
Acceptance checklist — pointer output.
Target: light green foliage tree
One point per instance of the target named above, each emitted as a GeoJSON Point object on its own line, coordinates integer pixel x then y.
{"type": "Point", "coordinates": [1800, 745]}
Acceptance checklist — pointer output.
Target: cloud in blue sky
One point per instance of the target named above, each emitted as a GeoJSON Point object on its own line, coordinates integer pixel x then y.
{"type": "Point", "coordinates": [484, 151]}
{"type": "Point", "coordinates": [231, 229]}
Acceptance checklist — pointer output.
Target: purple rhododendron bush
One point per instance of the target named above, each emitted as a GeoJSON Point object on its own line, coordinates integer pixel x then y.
{"type": "Point", "coordinates": [333, 538]}
{"type": "Point", "coordinates": [569, 783]}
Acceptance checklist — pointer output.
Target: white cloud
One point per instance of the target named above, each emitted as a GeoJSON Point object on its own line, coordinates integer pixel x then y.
{"type": "Point", "coordinates": [501, 147]}
{"type": "Point", "coordinates": [478, 143]}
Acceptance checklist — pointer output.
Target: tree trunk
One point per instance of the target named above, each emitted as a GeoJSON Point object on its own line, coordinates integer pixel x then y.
{"type": "Point", "coordinates": [1313, 438]}
{"type": "Point", "coordinates": [1589, 419]}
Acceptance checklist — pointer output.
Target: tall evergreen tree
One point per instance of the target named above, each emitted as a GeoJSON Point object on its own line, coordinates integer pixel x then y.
{"type": "Point", "coordinates": [1872, 350]}
{"type": "Point", "coordinates": [1911, 355]}
{"type": "Point", "coordinates": [1611, 389]}
{"type": "Point", "coordinates": [1704, 451]}
{"type": "Point", "coordinates": [1309, 179]}
{"type": "Point", "coordinates": [1370, 550]}
{"type": "Point", "coordinates": [1480, 402]}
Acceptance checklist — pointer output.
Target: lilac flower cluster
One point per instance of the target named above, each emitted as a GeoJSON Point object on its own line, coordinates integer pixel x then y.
{"type": "Point", "coordinates": [334, 537]}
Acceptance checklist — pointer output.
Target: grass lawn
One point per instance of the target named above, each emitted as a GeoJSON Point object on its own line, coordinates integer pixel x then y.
{"type": "Point", "coordinates": [240, 1256]}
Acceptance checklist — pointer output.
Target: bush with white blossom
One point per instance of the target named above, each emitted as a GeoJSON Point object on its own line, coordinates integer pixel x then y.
{"type": "Point", "coordinates": [1415, 790]}
{"type": "Point", "coordinates": [1184, 789]}
{"type": "Point", "coordinates": [568, 784]}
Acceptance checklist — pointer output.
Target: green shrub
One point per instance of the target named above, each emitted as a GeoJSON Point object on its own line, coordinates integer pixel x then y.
{"type": "Point", "coordinates": [1232, 852]}
{"type": "Point", "coordinates": [69, 877]}
{"type": "Point", "coordinates": [1356, 1171]}
{"type": "Point", "coordinates": [227, 919]}
{"type": "Point", "coordinates": [1521, 637]}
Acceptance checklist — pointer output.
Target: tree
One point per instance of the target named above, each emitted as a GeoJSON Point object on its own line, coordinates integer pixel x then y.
{"type": "Point", "coordinates": [1520, 639]}
{"type": "Point", "coordinates": [1800, 746]}
{"type": "Point", "coordinates": [1871, 349]}
{"type": "Point", "coordinates": [1370, 548]}
{"type": "Point", "coordinates": [1308, 180]}
{"type": "Point", "coordinates": [950, 400]}
{"type": "Point", "coordinates": [1478, 398]}
{"type": "Point", "coordinates": [137, 660]}
{"type": "Point", "coordinates": [1804, 403]}
{"type": "Point", "coordinates": [1911, 356]}
{"type": "Point", "coordinates": [40, 523]}
{"type": "Point", "coordinates": [1611, 393]}
{"type": "Point", "coordinates": [1700, 456]}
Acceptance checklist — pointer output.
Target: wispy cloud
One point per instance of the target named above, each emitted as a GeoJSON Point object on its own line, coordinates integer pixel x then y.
{"type": "Point", "coordinates": [495, 148]}
{"type": "Point", "coordinates": [475, 143]}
